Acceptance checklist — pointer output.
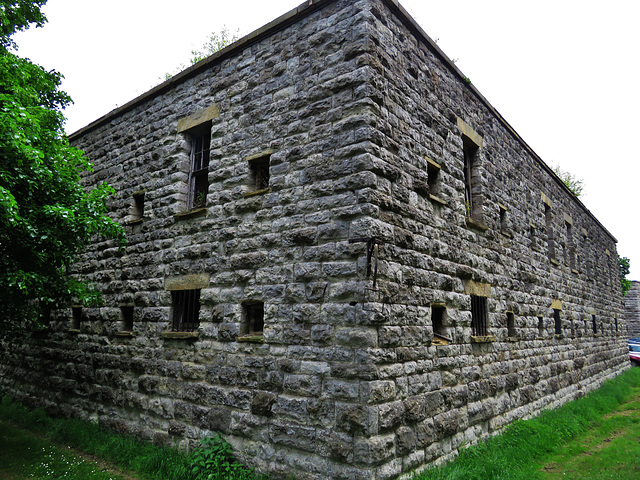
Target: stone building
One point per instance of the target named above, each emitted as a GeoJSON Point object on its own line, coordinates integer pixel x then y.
{"type": "Point", "coordinates": [632, 310]}
{"type": "Point", "coordinates": [340, 256]}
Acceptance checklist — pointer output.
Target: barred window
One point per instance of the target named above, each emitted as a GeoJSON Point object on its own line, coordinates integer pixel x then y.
{"type": "Point", "coordinates": [199, 171]}
{"type": "Point", "coordinates": [186, 310]}
{"type": "Point", "coordinates": [479, 316]}
{"type": "Point", "coordinates": [254, 317]}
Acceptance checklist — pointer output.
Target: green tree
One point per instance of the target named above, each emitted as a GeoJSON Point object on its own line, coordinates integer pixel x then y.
{"type": "Point", "coordinates": [46, 217]}
{"type": "Point", "coordinates": [217, 41]}
{"type": "Point", "coordinates": [573, 183]}
{"type": "Point", "coordinates": [625, 266]}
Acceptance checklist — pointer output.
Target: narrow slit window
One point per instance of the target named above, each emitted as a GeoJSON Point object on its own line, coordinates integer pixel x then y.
{"type": "Point", "coordinates": [127, 318]}
{"type": "Point", "coordinates": [479, 316]}
{"type": "Point", "coordinates": [511, 325]}
{"type": "Point", "coordinates": [557, 322]}
{"type": "Point", "coordinates": [470, 166]}
{"type": "Point", "coordinates": [186, 310]}
{"type": "Point", "coordinates": [540, 326]}
{"type": "Point", "coordinates": [200, 138]}
{"type": "Point", "coordinates": [254, 317]}
{"type": "Point", "coordinates": [594, 325]}
{"type": "Point", "coordinates": [548, 217]}
{"type": "Point", "coordinates": [259, 173]}
{"type": "Point", "coordinates": [504, 220]}
{"type": "Point", "coordinates": [570, 249]}
{"type": "Point", "coordinates": [532, 237]}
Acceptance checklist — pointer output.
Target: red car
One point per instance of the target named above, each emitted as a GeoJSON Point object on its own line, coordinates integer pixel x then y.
{"type": "Point", "coordinates": [634, 351]}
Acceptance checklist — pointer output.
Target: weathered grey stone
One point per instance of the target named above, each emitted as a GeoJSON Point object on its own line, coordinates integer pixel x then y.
{"type": "Point", "coordinates": [362, 252]}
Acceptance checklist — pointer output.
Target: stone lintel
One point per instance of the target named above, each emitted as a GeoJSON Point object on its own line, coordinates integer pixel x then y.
{"type": "Point", "coordinates": [193, 281]}
{"type": "Point", "coordinates": [262, 154]}
{"type": "Point", "coordinates": [432, 163]}
{"type": "Point", "coordinates": [568, 219]}
{"type": "Point", "coordinates": [556, 304]}
{"type": "Point", "coordinates": [469, 132]}
{"type": "Point", "coordinates": [477, 288]}
{"type": "Point", "coordinates": [198, 118]}
{"type": "Point", "coordinates": [546, 200]}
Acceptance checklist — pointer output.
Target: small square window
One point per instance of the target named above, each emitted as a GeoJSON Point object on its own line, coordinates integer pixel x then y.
{"type": "Point", "coordinates": [479, 316]}
{"type": "Point", "coordinates": [439, 321]}
{"type": "Point", "coordinates": [127, 318]}
{"type": "Point", "coordinates": [259, 173]}
{"type": "Point", "coordinates": [76, 317]}
{"type": "Point", "coordinates": [138, 205]}
{"type": "Point", "coordinates": [433, 176]}
{"type": "Point", "coordinates": [186, 310]}
{"type": "Point", "coordinates": [254, 317]}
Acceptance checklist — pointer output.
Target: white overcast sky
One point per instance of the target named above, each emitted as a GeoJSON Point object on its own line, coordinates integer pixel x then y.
{"type": "Point", "coordinates": [563, 73]}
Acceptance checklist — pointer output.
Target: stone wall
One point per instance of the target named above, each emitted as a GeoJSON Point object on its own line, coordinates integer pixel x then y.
{"type": "Point", "coordinates": [360, 246]}
{"type": "Point", "coordinates": [632, 310]}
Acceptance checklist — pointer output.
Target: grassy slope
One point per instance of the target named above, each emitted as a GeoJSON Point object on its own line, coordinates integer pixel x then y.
{"type": "Point", "coordinates": [525, 446]}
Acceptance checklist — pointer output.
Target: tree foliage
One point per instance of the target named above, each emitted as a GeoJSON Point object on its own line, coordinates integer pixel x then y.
{"type": "Point", "coordinates": [216, 42]}
{"type": "Point", "coordinates": [625, 266]}
{"type": "Point", "coordinates": [46, 217]}
{"type": "Point", "coordinates": [573, 183]}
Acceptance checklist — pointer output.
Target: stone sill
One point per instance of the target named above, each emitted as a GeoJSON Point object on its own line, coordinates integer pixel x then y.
{"type": "Point", "coordinates": [74, 331]}
{"type": "Point", "coordinates": [475, 224]}
{"type": "Point", "coordinates": [558, 336]}
{"type": "Point", "coordinates": [195, 212]}
{"type": "Point", "coordinates": [506, 234]}
{"type": "Point", "coordinates": [124, 333]}
{"type": "Point", "coordinates": [133, 222]}
{"type": "Point", "coordinates": [257, 192]}
{"type": "Point", "coordinates": [513, 339]}
{"type": "Point", "coordinates": [483, 339]}
{"type": "Point", "coordinates": [553, 261]}
{"type": "Point", "coordinates": [253, 338]}
{"type": "Point", "coordinates": [573, 270]}
{"type": "Point", "coordinates": [437, 200]}
{"type": "Point", "coordinates": [180, 335]}
{"type": "Point", "coordinates": [440, 340]}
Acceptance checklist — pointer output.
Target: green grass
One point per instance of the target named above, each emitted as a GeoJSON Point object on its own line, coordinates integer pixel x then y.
{"type": "Point", "coordinates": [544, 446]}
{"type": "Point", "coordinates": [211, 462]}
{"type": "Point", "coordinates": [25, 456]}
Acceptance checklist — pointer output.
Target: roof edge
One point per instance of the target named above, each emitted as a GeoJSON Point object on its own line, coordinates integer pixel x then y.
{"type": "Point", "coordinates": [279, 23]}
{"type": "Point", "coordinates": [411, 23]}
{"type": "Point", "coordinates": [292, 16]}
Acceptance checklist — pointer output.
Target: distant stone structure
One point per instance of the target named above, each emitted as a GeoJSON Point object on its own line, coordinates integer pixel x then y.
{"type": "Point", "coordinates": [632, 309]}
{"type": "Point", "coordinates": [340, 256]}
